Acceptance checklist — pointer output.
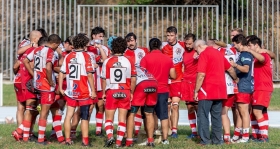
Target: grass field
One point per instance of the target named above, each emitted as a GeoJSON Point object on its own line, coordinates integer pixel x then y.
{"type": "Point", "coordinates": [8, 142]}
{"type": "Point", "coordinates": [10, 98]}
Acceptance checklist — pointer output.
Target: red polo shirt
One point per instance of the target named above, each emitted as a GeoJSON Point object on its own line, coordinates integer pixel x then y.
{"type": "Point", "coordinates": [159, 65]}
{"type": "Point", "coordinates": [213, 64]}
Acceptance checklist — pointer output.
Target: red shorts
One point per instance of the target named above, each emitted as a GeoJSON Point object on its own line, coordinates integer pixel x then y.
{"type": "Point", "coordinates": [28, 95]}
{"type": "Point", "coordinates": [47, 98]}
{"type": "Point", "coordinates": [77, 103]}
{"type": "Point", "coordinates": [113, 103]}
{"type": "Point", "coordinates": [187, 90]}
{"type": "Point", "coordinates": [243, 98]}
{"type": "Point", "coordinates": [141, 98]}
{"type": "Point", "coordinates": [99, 95]}
{"type": "Point", "coordinates": [175, 89]}
{"type": "Point", "coordinates": [19, 93]}
{"type": "Point", "coordinates": [229, 101]}
{"type": "Point", "coordinates": [261, 98]}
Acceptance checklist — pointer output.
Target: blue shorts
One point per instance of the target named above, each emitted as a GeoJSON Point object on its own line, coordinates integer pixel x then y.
{"type": "Point", "coordinates": [161, 107]}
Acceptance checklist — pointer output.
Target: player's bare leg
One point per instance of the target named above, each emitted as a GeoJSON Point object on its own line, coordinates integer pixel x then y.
{"type": "Point", "coordinates": [43, 123]}
{"type": "Point", "coordinates": [192, 110]}
{"type": "Point", "coordinates": [149, 125]}
{"type": "Point", "coordinates": [175, 116]}
{"type": "Point", "coordinates": [226, 124]}
{"type": "Point", "coordinates": [85, 116]}
{"type": "Point", "coordinates": [75, 122]}
{"type": "Point", "coordinates": [156, 121]}
{"type": "Point", "coordinates": [238, 128]}
{"type": "Point", "coordinates": [244, 114]}
{"type": "Point", "coordinates": [67, 123]}
{"type": "Point", "coordinates": [20, 112]}
{"type": "Point", "coordinates": [130, 127]}
{"type": "Point", "coordinates": [234, 115]}
{"type": "Point", "coordinates": [169, 116]}
{"type": "Point", "coordinates": [57, 116]}
{"type": "Point", "coordinates": [122, 114]}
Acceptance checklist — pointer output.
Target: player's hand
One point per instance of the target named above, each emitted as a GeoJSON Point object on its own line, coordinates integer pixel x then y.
{"type": "Point", "coordinates": [98, 45]}
{"type": "Point", "coordinates": [95, 65]}
{"type": "Point", "coordinates": [93, 95]}
{"type": "Point", "coordinates": [62, 92]}
{"type": "Point", "coordinates": [104, 97]}
{"type": "Point", "coordinates": [34, 44]}
{"type": "Point", "coordinates": [236, 80]}
{"type": "Point", "coordinates": [195, 96]}
{"type": "Point", "coordinates": [52, 84]}
{"type": "Point", "coordinates": [57, 92]}
{"type": "Point", "coordinates": [232, 63]}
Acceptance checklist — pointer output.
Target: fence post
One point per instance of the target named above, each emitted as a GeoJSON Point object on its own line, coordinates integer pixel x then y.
{"type": "Point", "coordinates": [1, 89]}
{"type": "Point", "coordinates": [79, 18]}
{"type": "Point", "coordinates": [11, 39]}
{"type": "Point", "coordinates": [147, 26]}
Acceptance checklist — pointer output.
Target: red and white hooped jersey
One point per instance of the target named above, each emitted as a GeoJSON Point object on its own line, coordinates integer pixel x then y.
{"type": "Point", "coordinates": [41, 56]}
{"type": "Point", "coordinates": [118, 70]}
{"type": "Point", "coordinates": [143, 75]}
{"type": "Point", "coordinates": [230, 54]}
{"type": "Point", "coordinates": [136, 55]}
{"type": "Point", "coordinates": [76, 65]}
{"type": "Point", "coordinates": [175, 52]}
{"type": "Point", "coordinates": [98, 58]}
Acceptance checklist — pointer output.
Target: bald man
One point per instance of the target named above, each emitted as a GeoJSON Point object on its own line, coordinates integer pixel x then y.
{"type": "Point", "coordinates": [26, 105]}
{"type": "Point", "coordinates": [210, 91]}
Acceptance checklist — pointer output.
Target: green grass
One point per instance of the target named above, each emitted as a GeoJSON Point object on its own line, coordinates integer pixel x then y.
{"type": "Point", "coordinates": [8, 142]}
{"type": "Point", "coordinates": [10, 98]}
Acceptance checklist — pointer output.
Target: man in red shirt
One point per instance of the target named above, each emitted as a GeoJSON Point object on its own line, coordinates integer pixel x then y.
{"type": "Point", "coordinates": [161, 67]}
{"type": "Point", "coordinates": [190, 60]}
{"type": "Point", "coordinates": [210, 91]}
{"type": "Point", "coordinates": [134, 118]}
{"type": "Point", "coordinates": [175, 50]}
{"type": "Point", "coordinates": [263, 88]}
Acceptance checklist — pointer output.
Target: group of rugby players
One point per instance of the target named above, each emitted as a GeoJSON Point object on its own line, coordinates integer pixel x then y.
{"type": "Point", "coordinates": [143, 84]}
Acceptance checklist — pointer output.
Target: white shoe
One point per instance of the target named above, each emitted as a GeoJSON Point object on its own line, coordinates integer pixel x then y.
{"type": "Point", "coordinates": [166, 142]}
{"type": "Point", "coordinates": [234, 141]}
{"type": "Point", "coordinates": [243, 141]}
{"type": "Point", "coordinates": [157, 132]}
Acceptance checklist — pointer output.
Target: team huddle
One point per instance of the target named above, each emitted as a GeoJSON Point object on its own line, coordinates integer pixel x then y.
{"type": "Point", "coordinates": [144, 85]}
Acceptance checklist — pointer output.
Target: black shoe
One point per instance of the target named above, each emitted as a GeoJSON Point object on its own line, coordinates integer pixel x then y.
{"type": "Point", "coordinates": [99, 135]}
{"type": "Point", "coordinates": [109, 142]}
{"type": "Point", "coordinates": [151, 144]}
{"type": "Point", "coordinates": [32, 138]}
{"type": "Point", "coordinates": [69, 143]}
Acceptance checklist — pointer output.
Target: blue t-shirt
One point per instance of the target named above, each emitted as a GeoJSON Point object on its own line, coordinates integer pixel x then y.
{"type": "Point", "coordinates": [246, 80]}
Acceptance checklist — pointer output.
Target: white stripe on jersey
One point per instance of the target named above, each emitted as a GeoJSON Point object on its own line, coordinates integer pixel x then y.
{"type": "Point", "coordinates": [143, 75]}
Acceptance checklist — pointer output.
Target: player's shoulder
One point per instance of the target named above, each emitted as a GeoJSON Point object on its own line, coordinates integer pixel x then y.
{"type": "Point", "coordinates": [146, 50]}
{"type": "Point", "coordinates": [181, 43]}
{"type": "Point", "coordinates": [164, 44]}
{"type": "Point", "coordinates": [24, 42]}
{"type": "Point", "coordinates": [105, 47]}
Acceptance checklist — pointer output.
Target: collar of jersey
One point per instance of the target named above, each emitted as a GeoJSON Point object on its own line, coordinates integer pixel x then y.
{"type": "Point", "coordinates": [174, 44]}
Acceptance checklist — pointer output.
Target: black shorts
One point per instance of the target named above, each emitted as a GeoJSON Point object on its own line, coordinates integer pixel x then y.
{"type": "Point", "coordinates": [161, 107]}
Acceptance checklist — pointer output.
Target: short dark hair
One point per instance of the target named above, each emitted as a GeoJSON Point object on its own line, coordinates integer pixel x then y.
{"type": "Point", "coordinates": [190, 35]}
{"type": "Point", "coordinates": [171, 29]}
{"type": "Point", "coordinates": [240, 39]}
{"type": "Point", "coordinates": [119, 45]}
{"type": "Point", "coordinates": [251, 36]}
{"type": "Point", "coordinates": [69, 40]}
{"type": "Point", "coordinates": [255, 40]}
{"type": "Point", "coordinates": [54, 38]}
{"type": "Point", "coordinates": [129, 35]}
{"type": "Point", "coordinates": [155, 44]}
{"type": "Point", "coordinates": [80, 41]}
{"type": "Point", "coordinates": [43, 32]}
{"type": "Point", "coordinates": [97, 30]}
{"type": "Point", "coordinates": [42, 41]}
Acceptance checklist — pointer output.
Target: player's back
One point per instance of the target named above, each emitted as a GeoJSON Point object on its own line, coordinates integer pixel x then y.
{"type": "Point", "coordinates": [136, 55]}
{"type": "Point", "coordinates": [118, 70]}
{"type": "Point", "coordinates": [76, 66]}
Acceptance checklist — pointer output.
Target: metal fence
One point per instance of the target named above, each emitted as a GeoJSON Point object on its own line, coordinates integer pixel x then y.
{"type": "Point", "coordinates": [66, 17]}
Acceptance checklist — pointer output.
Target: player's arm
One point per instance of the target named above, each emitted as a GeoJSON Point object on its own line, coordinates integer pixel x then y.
{"type": "Point", "coordinates": [258, 56]}
{"type": "Point", "coordinates": [102, 52]}
{"type": "Point", "coordinates": [172, 73]}
{"type": "Point", "coordinates": [270, 53]}
{"type": "Point", "coordinates": [26, 63]}
{"type": "Point", "coordinates": [16, 67]}
{"type": "Point", "coordinates": [230, 69]}
{"type": "Point", "coordinates": [49, 71]}
{"type": "Point", "coordinates": [91, 84]}
{"type": "Point", "coordinates": [199, 80]}
{"type": "Point", "coordinates": [60, 82]}
{"type": "Point", "coordinates": [241, 68]}
{"type": "Point", "coordinates": [21, 50]}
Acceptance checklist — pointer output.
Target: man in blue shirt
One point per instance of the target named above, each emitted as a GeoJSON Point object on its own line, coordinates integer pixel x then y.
{"type": "Point", "coordinates": [244, 70]}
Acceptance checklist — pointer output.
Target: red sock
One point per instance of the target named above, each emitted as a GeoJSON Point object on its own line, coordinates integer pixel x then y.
{"type": "Point", "coordinates": [57, 127]}
{"type": "Point", "coordinates": [254, 125]}
{"type": "Point", "coordinates": [138, 122]}
{"type": "Point", "coordinates": [265, 115]}
{"type": "Point", "coordinates": [20, 129]}
{"type": "Point", "coordinates": [85, 140]}
{"type": "Point", "coordinates": [68, 140]}
{"type": "Point", "coordinates": [245, 134]}
{"type": "Point", "coordinates": [109, 128]}
{"type": "Point", "coordinates": [26, 130]}
{"type": "Point", "coordinates": [120, 132]}
{"type": "Point", "coordinates": [236, 133]}
{"type": "Point", "coordinates": [262, 124]}
{"type": "Point", "coordinates": [42, 128]}
{"type": "Point", "coordinates": [150, 140]}
{"type": "Point", "coordinates": [192, 120]}
{"type": "Point", "coordinates": [129, 141]}
{"type": "Point", "coordinates": [174, 130]}
{"type": "Point", "coordinates": [99, 121]}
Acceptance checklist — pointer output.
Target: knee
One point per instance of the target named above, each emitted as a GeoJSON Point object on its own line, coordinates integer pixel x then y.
{"type": "Point", "coordinates": [101, 108]}
{"type": "Point", "coordinates": [175, 106]}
